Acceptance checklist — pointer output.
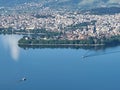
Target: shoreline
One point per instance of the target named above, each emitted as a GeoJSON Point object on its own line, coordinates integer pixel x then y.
{"type": "Point", "coordinates": [62, 44]}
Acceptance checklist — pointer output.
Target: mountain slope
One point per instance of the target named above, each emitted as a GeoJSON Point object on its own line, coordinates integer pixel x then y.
{"type": "Point", "coordinates": [65, 3]}
{"type": "Point", "coordinates": [105, 10]}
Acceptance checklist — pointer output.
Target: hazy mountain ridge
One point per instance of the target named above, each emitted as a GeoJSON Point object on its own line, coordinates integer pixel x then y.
{"type": "Point", "coordinates": [103, 10]}
{"type": "Point", "coordinates": [64, 3]}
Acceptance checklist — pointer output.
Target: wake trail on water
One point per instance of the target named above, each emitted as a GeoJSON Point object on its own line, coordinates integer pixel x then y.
{"type": "Point", "coordinates": [87, 55]}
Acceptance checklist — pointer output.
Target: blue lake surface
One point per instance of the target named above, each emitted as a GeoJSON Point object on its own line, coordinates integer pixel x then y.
{"type": "Point", "coordinates": [57, 69]}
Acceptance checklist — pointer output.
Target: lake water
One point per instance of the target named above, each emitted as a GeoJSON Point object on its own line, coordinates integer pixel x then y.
{"type": "Point", "coordinates": [57, 69]}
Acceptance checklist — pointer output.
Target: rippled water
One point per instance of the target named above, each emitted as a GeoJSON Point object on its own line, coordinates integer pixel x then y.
{"type": "Point", "coordinates": [57, 69]}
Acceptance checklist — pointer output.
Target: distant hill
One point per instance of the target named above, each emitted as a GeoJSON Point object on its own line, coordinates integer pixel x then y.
{"type": "Point", "coordinates": [69, 4]}
{"type": "Point", "coordinates": [105, 10]}
{"type": "Point", "coordinates": [14, 2]}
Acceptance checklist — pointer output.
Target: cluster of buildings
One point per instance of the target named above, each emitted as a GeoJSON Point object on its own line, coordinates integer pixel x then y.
{"type": "Point", "coordinates": [75, 26]}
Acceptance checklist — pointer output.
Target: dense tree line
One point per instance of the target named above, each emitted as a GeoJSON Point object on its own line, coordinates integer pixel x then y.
{"type": "Point", "coordinates": [114, 40]}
